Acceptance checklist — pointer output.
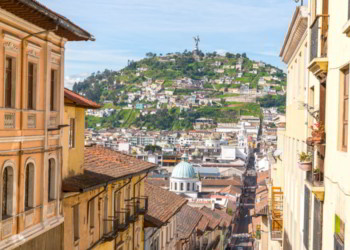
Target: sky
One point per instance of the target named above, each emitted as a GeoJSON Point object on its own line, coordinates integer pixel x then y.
{"type": "Point", "coordinates": [128, 29]}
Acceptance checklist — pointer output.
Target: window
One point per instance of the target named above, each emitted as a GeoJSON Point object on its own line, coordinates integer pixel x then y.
{"type": "Point", "coordinates": [344, 108]}
{"type": "Point", "coordinates": [29, 187]}
{"type": "Point", "coordinates": [31, 85]}
{"type": "Point", "coordinates": [193, 187]}
{"type": "Point", "coordinates": [10, 73]}
{"type": "Point", "coordinates": [76, 222]}
{"type": "Point", "coordinates": [53, 85]}
{"type": "Point", "coordinates": [7, 192]}
{"type": "Point", "coordinates": [188, 186]}
{"type": "Point", "coordinates": [92, 213]}
{"type": "Point", "coordinates": [72, 133]}
{"type": "Point", "coordinates": [181, 186]}
{"type": "Point", "coordinates": [175, 186]}
{"type": "Point", "coordinates": [52, 180]}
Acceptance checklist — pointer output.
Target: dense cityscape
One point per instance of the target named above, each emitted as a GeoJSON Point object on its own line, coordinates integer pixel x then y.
{"type": "Point", "coordinates": [185, 150]}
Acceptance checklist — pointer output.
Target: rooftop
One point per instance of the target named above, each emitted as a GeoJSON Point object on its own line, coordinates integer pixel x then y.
{"type": "Point", "coordinates": [36, 13]}
{"type": "Point", "coordinates": [162, 204]}
{"type": "Point", "coordinates": [78, 100]}
{"type": "Point", "coordinates": [103, 165]}
{"type": "Point", "coordinates": [184, 170]}
{"type": "Point", "coordinates": [214, 218]}
{"type": "Point", "coordinates": [187, 220]}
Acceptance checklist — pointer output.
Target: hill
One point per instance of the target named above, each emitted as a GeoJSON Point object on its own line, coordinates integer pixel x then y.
{"type": "Point", "coordinates": [194, 85]}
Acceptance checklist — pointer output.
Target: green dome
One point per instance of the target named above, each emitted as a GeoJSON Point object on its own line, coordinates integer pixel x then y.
{"type": "Point", "coordinates": [183, 170]}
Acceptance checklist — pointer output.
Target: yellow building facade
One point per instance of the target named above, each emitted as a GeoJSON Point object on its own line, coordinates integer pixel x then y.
{"type": "Point", "coordinates": [32, 42]}
{"type": "Point", "coordinates": [316, 200]}
{"type": "Point", "coordinates": [103, 190]}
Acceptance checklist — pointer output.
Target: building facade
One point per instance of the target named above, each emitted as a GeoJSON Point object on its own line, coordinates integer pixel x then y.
{"type": "Point", "coordinates": [103, 191]}
{"type": "Point", "coordinates": [316, 199]}
{"type": "Point", "coordinates": [32, 56]}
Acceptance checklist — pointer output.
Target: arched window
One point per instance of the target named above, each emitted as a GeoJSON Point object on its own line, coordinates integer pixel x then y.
{"type": "Point", "coordinates": [188, 186]}
{"type": "Point", "coordinates": [29, 186]}
{"type": "Point", "coordinates": [52, 180]}
{"type": "Point", "coordinates": [181, 186]}
{"type": "Point", "coordinates": [7, 192]}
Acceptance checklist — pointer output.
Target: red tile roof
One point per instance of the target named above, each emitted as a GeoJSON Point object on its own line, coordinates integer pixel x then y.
{"type": "Point", "coordinates": [102, 165]}
{"type": "Point", "coordinates": [221, 182]}
{"type": "Point", "coordinates": [186, 221]}
{"type": "Point", "coordinates": [80, 100]}
{"type": "Point", "coordinates": [160, 182]}
{"type": "Point", "coordinates": [214, 218]}
{"type": "Point", "coordinates": [226, 218]}
{"type": "Point", "coordinates": [38, 14]}
{"type": "Point", "coordinates": [262, 176]}
{"type": "Point", "coordinates": [233, 190]}
{"type": "Point", "coordinates": [162, 204]}
{"type": "Point", "coordinates": [203, 224]}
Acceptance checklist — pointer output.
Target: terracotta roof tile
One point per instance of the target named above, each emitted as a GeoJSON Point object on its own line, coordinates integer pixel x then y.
{"type": "Point", "coordinates": [162, 204]}
{"type": "Point", "coordinates": [160, 182]}
{"type": "Point", "coordinates": [80, 100]}
{"type": "Point", "coordinates": [203, 224]}
{"type": "Point", "coordinates": [187, 220]}
{"type": "Point", "coordinates": [102, 165]}
{"type": "Point", "coordinates": [214, 218]}
{"type": "Point", "coordinates": [221, 182]}
{"type": "Point", "coordinates": [226, 218]}
{"type": "Point", "coordinates": [262, 176]}
{"type": "Point", "coordinates": [233, 190]}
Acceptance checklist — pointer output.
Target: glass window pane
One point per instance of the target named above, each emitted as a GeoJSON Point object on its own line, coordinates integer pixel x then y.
{"type": "Point", "coordinates": [346, 109]}
{"type": "Point", "coordinates": [345, 137]}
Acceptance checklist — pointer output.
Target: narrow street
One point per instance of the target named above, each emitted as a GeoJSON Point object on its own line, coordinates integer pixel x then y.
{"type": "Point", "coordinates": [247, 202]}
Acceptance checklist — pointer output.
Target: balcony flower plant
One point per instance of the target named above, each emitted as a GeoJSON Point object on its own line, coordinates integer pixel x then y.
{"type": "Point", "coordinates": [305, 161]}
{"type": "Point", "coordinates": [317, 134]}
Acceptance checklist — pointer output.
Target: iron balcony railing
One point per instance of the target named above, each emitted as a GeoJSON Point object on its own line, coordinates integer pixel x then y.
{"type": "Point", "coordinates": [141, 205]}
{"type": "Point", "coordinates": [315, 177]}
{"type": "Point", "coordinates": [319, 37]}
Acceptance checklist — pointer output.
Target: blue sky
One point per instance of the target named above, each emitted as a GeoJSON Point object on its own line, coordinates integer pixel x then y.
{"type": "Point", "coordinates": [128, 29]}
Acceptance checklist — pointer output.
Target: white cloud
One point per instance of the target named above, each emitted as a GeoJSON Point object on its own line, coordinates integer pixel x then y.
{"type": "Point", "coordinates": [70, 80]}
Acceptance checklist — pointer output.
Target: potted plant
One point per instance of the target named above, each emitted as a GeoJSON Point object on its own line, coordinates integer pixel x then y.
{"type": "Point", "coordinates": [305, 161]}
{"type": "Point", "coordinates": [317, 134]}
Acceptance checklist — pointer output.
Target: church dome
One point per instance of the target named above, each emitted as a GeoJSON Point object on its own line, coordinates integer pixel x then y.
{"type": "Point", "coordinates": [184, 170]}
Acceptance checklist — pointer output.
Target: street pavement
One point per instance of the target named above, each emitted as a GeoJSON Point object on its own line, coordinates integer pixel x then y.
{"type": "Point", "coordinates": [247, 202]}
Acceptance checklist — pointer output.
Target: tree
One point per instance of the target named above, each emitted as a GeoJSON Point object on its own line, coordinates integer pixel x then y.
{"type": "Point", "coordinates": [152, 148]}
{"type": "Point", "coordinates": [244, 55]}
{"type": "Point", "coordinates": [229, 55]}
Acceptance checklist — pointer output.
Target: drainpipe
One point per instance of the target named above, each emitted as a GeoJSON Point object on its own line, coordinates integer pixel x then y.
{"type": "Point", "coordinates": [88, 206]}
{"type": "Point", "coordinates": [133, 224]}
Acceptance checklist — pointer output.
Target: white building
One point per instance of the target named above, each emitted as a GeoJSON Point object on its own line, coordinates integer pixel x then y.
{"type": "Point", "coordinates": [184, 180]}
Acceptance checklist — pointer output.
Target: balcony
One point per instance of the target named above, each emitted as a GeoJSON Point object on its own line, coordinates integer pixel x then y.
{"type": "Point", "coordinates": [118, 225]}
{"type": "Point", "coordinates": [141, 205]}
{"type": "Point", "coordinates": [319, 47]}
{"type": "Point", "coordinates": [276, 214]}
{"type": "Point", "coordinates": [315, 182]}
